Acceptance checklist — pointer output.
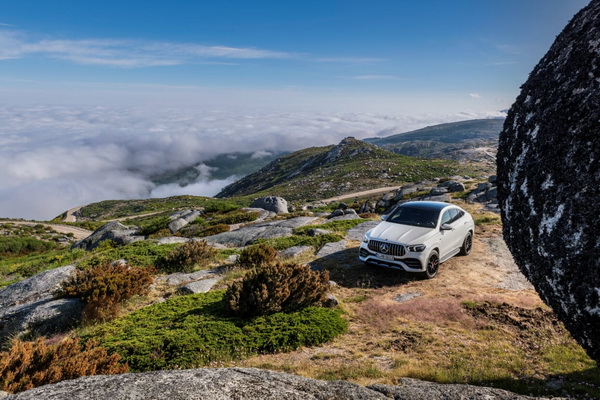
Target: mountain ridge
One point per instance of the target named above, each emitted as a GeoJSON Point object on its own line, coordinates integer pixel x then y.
{"type": "Point", "coordinates": [352, 165]}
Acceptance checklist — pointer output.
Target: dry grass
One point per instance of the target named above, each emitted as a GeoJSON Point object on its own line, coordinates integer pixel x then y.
{"type": "Point", "coordinates": [435, 337]}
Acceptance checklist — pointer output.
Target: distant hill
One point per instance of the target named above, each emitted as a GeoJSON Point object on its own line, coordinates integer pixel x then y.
{"type": "Point", "coordinates": [454, 140]}
{"type": "Point", "coordinates": [221, 166]}
{"type": "Point", "coordinates": [321, 172]}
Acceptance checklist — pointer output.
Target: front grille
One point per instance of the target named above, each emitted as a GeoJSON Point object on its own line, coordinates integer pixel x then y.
{"type": "Point", "coordinates": [393, 249]}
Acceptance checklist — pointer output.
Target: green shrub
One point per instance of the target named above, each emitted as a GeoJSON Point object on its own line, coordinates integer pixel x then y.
{"type": "Point", "coordinates": [237, 217]}
{"type": "Point", "coordinates": [340, 226]}
{"type": "Point", "coordinates": [196, 330]}
{"type": "Point", "coordinates": [143, 253]}
{"type": "Point", "coordinates": [151, 225]}
{"type": "Point", "coordinates": [276, 287]}
{"type": "Point", "coordinates": [23, 245]}
{"type": "Point", "coordinates": [188, 256]}
{"type": "Point", "coordinates": [105, 287]}
{"type": "Point", "coordinates": [34, 263]}
{"type": "Point", "coordinates": [213, 230]}
{"type": "Point", "coordinates": [291, 241]}
{"type": "Point", "coordinates": [31, 364]}
{"type": "Point", "coordinates": [257, 255]}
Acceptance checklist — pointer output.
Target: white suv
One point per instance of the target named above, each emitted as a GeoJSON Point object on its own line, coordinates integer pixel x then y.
{"type": "Point", "coordinates": [418, 236]}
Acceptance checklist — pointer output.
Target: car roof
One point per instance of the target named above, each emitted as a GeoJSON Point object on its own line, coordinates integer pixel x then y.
{"type": "Point", "coordinates": [427, 205]}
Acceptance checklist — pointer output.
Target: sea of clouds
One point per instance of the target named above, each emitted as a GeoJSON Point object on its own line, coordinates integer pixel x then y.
{"type": "Point", "coordinates": [54, 158]}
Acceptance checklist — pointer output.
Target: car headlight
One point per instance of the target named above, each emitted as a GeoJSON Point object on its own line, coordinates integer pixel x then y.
{"type": "Point", "coordinates": [365, 239]}
{"type": "Point", "coordinates": [416, 248]}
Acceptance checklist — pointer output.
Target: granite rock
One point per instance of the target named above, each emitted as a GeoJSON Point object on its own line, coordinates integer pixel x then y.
{"type": "Point", "coordinates": [549, 178]}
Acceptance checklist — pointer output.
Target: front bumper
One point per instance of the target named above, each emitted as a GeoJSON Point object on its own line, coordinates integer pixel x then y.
{"type": "Point", "coordinates": [410, 262]}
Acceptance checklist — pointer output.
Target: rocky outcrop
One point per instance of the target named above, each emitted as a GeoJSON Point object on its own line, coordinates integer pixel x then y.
{"type": "Point", "coordinates": [44, 317]}
{"type": "Point", "coordinates": [115, 231]}
{"type": "Point", "coordinates": [28, 307]}
{"type": "Point", "coordinates": [272, 203]}
{"type": "Point", "coordinates": [181, 219]}
{"type": "Point", "coordinates": [247, 383]}
{"type": "Point", "coordinates": [42, 286]}
{"type": "Point", "coordinates": [266, 230]}
{"type": "Point", "coordinates": [549, 177]}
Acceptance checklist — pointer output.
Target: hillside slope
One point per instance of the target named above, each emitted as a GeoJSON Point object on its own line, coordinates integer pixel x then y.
{"type": "Point", "coordinates": [351, 166]}
{"type": "Point", "coordinates": [445, 140]}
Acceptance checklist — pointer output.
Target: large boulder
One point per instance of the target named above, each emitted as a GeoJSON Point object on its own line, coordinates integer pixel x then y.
{"type": "Point", "coordinates": [114, 231]}
{"type": "Point", "coordinates": [265, 230]}
{"type": "Point", "coordinates": [272, 203]}
{"type": "Point", "coordinates": [44, 317]}
{"type": "Point", "coordinates": [247, 383]}
{"type": "Point", "coordinates": [181, 219]}
{"type": "Point", "coordinates": [28, 307]}
{"type": "Point", "coordinates": [549, 178]}
{"type": "Point", "coordinates": [42, 286]}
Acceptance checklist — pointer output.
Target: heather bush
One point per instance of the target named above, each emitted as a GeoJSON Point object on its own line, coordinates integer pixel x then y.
{"type": "Point", "coordinates": [26, 365]}
{"type": "Point", "coordinates": [276, 287]}
{"type": "Point", "coordinates": [105, 287]}
{"type": "Point", "coordinates": [187, 257]}
{"type": "Point", "coordinates": [257, 255]}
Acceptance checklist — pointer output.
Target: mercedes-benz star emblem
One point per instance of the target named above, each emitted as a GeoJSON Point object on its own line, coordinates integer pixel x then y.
{"type": "Point", "coordinates": [384, 248]}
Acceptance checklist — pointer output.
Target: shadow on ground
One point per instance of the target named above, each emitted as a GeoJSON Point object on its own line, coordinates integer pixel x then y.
{"type": "Point", "coordinates": [347, 270]}
{"type": "Point", "coordinates": [578, 385]}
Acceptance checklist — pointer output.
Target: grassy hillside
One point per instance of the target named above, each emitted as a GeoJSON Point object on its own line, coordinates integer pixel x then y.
{"type": "Point", "coordinates": [444, 140]}
{"type": "Point", "coordinates": [351, 166]}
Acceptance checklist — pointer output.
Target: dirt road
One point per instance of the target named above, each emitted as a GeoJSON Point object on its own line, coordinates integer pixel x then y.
{"type": "Point", "coordinates": [360, 194]}
{"type": "Point", "coordinates": [78, 233]}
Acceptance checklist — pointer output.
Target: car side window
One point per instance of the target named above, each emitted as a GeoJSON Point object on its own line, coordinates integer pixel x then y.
{"type": "Point", "coordinates": [446, 217]}
{"type": "Point", "coordinates": [459, 215]}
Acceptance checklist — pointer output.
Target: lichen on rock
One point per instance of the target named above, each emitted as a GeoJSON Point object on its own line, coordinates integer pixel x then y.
{"type": "Point", "coordinates": [549, 178]}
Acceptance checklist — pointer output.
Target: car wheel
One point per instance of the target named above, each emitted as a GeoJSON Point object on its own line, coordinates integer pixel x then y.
{"type": "Point", "coordinates": [433, 265]}
{"type": "Point", "coordinates": [467, 245]}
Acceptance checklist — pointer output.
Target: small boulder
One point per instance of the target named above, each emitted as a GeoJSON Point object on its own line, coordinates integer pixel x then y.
{"type": "Point", "coordinates": [201, 286]}
{"type": "Point", "coordinates": [295, 251]}
{"type": "Point", "coordinates": [330, 301]}
{"type": "Point", "coordinates": [183, 220]}
{"type": "Point", "coordinates": [114, 231]}
{"type": "Point", "coordinates": [336, 213]}
{"type": "Point", "coordinates": [272, 203]}
{"type": "Point", "coordinates": [438, 191]}
{"type": "Point", "coordinates": [456, 187]}
{"type": "Point", "coordinates": [317, 232]}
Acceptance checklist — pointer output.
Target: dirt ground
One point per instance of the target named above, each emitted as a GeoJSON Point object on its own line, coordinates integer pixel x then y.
{"type": "Point", "coordinates": [380, 303]}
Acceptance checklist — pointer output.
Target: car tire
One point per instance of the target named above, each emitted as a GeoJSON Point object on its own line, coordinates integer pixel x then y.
{"type": "Point", "coordinates": [467, 244]}
{"type": "Point", "coordinates": [433, 265]}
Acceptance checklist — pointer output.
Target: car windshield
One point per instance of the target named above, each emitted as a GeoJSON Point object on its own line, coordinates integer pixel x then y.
{"type": "Point", "coordinates": [415, 216]}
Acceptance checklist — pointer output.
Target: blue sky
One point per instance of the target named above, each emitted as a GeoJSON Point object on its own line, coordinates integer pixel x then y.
{"type": "Point", "coordinates": [390, 56]}
{"type": "Point", "coordinates": [97, 97]}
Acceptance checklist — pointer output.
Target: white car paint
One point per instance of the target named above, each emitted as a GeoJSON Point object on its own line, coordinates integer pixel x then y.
{"type": "Point", "coordinates": [391, 236]}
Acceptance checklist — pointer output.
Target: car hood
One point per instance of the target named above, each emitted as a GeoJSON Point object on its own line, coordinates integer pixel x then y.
{"type": "Point", "coordinates": [405, 234]}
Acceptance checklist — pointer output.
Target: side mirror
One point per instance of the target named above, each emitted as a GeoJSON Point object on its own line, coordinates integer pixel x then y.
{"type": "Point", "coordinates": [384, 217]}
{"type": "Point", "coordinates": [445, 227]}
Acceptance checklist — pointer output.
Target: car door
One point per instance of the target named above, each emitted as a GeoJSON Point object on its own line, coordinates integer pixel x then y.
{"type": "Point", "coordinates": [461, 225]}
{"type": "Point", "coordinates": [447, 237]}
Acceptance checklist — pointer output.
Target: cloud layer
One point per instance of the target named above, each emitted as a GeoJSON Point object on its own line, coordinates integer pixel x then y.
{"type": "Point", "coordinates": [54, 158]}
